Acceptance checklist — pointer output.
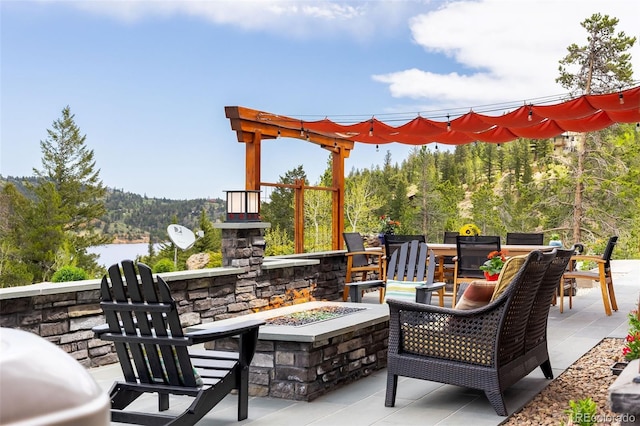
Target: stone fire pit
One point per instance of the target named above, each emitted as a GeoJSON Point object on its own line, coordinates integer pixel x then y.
{"type": "Point", "coordinates": [303, 361]}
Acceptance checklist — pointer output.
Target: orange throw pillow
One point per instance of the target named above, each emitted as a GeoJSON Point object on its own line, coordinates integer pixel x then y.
{"type": "Point", "coordinates": [476, 295]}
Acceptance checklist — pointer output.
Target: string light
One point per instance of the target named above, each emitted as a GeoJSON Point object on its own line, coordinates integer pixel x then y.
{"type": "Point", "coordinates": [530, 117]}
{"type": "Point", "coordinates": [301, 129]}
{"type": "Point", "coordinates": [621, 97]}
{"type": "Point", "coordinates": [448, 126]}
{"type": "Point", "coordinates": [278, 135]}
{"type": "Point", "coordinates": [377, 148]}
{"type": "Point", "coordinates": [371, 127]}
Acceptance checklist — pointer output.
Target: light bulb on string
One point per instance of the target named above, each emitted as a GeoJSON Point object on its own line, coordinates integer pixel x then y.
{"type": "Point", "coordinates": [371, 127]}
{"type": "Point", "coordinates": [278, 135]}
{"type": "Point", "coordinates": [530, 117]}
{"type": "Point", "coordinates": [301, 129]}
{"type": "Point", "coordinates": [377, 148]}
{"type": "Point", "coordinates": [621, 97]}
{"type": "Point", "coordinates": [448, 124]}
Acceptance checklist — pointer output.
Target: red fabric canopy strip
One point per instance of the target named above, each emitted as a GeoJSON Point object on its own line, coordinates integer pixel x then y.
{"type": "Point", "coordinates": [583, 114]}
{"type": "Point", "coordinates": [611, 101]}
{"type": "Point", "coordinates": [545, 130]}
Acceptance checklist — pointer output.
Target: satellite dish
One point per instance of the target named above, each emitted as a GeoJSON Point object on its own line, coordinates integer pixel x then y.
{"type": "Point", "coordinates": [181, 236]}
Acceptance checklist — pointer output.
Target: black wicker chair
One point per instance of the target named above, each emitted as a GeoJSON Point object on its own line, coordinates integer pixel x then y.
{"type": "Point", "coordinates": [488, 348]}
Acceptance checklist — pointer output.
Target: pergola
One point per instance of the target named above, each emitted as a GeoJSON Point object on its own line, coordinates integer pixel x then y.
{"type": "Point", "coordinates": [586, 113]}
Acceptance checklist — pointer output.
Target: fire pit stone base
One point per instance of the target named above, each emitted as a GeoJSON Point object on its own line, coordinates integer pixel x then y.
{"type": "Point", "coordinates": [304, 362]}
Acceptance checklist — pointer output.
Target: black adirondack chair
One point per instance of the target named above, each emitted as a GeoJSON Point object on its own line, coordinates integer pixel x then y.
{"type": "Point", "coordinates": [408, 263]}
{"type": "Point", "coordinates": [157, 357]}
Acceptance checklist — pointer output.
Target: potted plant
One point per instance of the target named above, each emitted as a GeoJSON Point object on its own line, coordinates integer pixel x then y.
{"type": "Point", "coordinates": [493, 265]}
{"type": "Point", "coordinates": [387, 227]}
{"type": "Point", "coordinates": [554, 240]}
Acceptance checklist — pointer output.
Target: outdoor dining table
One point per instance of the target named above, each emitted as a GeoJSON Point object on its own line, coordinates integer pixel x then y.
{"type": "Point", "coordinates": [445, 249]}
{"type": "Point", "coordinates": [441, 249]}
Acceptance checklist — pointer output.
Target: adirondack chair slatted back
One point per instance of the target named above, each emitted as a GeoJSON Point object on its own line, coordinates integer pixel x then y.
{"type": "Point", "coordinates": [144, 313]}
{"type": "Point", "coordinates": [393, 242]}
{"type": "Point", "coordinates": [409, 262]}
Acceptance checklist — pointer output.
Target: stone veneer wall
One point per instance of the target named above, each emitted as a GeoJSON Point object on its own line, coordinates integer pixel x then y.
{"type": "Point", "coordinates": [64, 313]}
{"type": "Point", "coordinates": [306, 370]}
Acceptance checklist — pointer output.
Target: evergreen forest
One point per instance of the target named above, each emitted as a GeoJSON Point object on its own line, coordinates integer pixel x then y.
{"type": "Point", "coordinates": [520, 186]}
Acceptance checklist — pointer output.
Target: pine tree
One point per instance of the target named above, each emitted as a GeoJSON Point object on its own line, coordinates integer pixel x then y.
{"type": "Point", "coordinates": [70, 166]}
{"type": "Point", "coordinates": [604, 65]}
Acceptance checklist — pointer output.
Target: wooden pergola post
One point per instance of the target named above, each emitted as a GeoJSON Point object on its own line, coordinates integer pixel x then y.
{"type": "Point", "coordinates": [252, 162]}
{"type": "Point", "coordinates": [252, 126]}
{"type": "Point", "coordinates": [337, 169]}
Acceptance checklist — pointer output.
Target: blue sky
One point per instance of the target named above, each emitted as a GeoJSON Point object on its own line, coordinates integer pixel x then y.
{"type": "Point", "coordinates": [148, 80]}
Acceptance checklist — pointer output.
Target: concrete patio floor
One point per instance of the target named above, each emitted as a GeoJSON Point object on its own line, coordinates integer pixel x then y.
{"type": "Point", "coordinates": [571, 334]}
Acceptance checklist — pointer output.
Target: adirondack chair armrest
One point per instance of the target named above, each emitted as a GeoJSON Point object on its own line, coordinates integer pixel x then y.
{"type": "Point", "coordinates": [201, 336]}
{"type": "Point", "coordinates": [218, 332]}
{"type": "Point", "coordinates": [98, 330]}
{"type": "Point", "coordinates": [424, 292]}
{"type": "Point", "coordinates": [432, 286]}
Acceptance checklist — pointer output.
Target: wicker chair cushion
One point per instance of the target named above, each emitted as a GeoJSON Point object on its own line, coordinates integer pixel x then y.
{"type": "Point", "coordinates": [509, 271]}
{"type": "Point", "coordinates": [403, 290]}
{"type": "Point", "coordinates": [476, 295]}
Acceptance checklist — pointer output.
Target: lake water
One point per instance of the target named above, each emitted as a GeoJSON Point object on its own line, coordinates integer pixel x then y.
{"type": "Point", "coordinates": [109, 254]}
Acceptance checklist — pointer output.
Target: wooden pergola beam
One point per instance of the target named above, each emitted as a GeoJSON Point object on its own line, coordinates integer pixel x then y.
{"type": "Point", "coordinates": [253, 126]}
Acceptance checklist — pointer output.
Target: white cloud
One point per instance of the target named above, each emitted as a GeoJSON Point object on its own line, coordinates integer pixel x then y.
{"type": "Point", "coordinates": [511, 49]}
{"type": "Point", "coordinates": [319, 18]}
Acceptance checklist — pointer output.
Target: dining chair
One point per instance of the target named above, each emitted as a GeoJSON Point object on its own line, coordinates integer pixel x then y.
{"type": "Point", "coordinates": [603, 276]}
{"type": "Point", "coordinates": [471, 252]}
{"type": "Point", "coordinates": [360, 261]}
{"type": "Point", "coordinates": [524, 238]}
{"type": "Point", "coordinates": [446, 264]}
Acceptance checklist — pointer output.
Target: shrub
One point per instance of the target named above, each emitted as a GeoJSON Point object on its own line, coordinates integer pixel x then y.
{"type": "Point", "coordinates": [582, 412]}
{"type": "Point", "coordinates": [69, 273]}
{"type": "Point", "coordinates": [163, 265]}
{"type": "Point", "coordinates": [215, 259]}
